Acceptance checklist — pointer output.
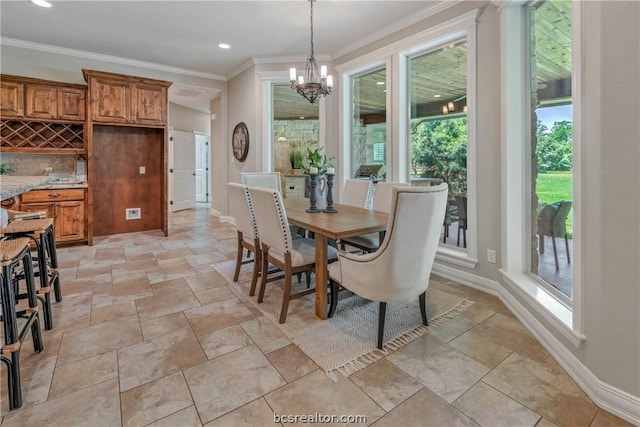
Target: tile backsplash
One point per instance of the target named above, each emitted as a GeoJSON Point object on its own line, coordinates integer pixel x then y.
{"type": "Point", "coordinates": [37, 164]}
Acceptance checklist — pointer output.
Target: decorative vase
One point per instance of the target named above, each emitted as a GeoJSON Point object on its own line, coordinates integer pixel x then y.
{"type": "Point", "coordinates": [321, 190]}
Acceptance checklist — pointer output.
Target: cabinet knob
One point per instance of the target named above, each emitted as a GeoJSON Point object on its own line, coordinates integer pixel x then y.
{"type": "Point", "coordinates": [54, 194]}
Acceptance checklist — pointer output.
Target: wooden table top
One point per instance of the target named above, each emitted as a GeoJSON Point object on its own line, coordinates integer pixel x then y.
{"type": "Point", "coordinates": [349, 221]}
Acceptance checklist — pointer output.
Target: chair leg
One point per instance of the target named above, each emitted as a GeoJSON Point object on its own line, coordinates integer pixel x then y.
{"type": "Point", "coordinates": [383, 312]}
{"type": "Point", "coordinates": [566, 244]}
{"type": "Point", "coordinates": [423, 308]}
{"type": "Point", "coordinates": [286, 296]}
{"type": "Point", "coordinates": [541, 243]}
{"type": "Point", "coordinates": [308, 278]}
{"type": "Point", "coordinates": [459, 227]}
{"type": "Point", "coordinates": [264, 272]}
{"type": "Point", "coordinates": [555, 251]}
{"type": "Point", "coordinates": [464, 235]}
{"type": "Point", "coordinates": [240, 251]}
{"type": "Point", "coordinates": [333, 300]}
{"type": "Point", "coordinates": [254, 276]}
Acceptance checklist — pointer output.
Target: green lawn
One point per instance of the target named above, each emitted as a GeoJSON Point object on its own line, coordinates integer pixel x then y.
{"type": "Point", "coordinates": [554, 187]}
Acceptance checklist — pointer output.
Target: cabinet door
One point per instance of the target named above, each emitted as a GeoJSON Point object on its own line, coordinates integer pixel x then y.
{"type": "Point", "coordinates": [11, 99]}
{"type": "Point", "coordinates": [48, 208]}
{"type": "Point", "coordinates": [41, 102]}
{"type": "Point", "coordinates": [148, 104]}
{"type": "Point", "coordinates": [69, 221]}
{"type": "Point", "coordinates": [110, 101]}
{"type": "Point", "coordinates": [71, 104]}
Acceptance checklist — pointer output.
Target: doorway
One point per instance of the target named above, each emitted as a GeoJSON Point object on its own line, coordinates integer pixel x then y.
{"type": "Point", "coordinates": [183, 170]}
{"type": "Point", "coordinates": [202, 168]}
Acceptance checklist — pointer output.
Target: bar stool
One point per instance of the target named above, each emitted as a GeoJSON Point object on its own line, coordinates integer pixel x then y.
{"type": "Point", "coordinates": [47, 259]}
{"type": "Point", "coordinates": [14, 252]}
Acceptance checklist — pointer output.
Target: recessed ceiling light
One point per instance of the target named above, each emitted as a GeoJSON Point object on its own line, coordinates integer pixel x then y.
{"type": "Point", "coordinates": [224, 46]}
{"type": "Point", "coordinates": [41, 3]}
{"type": "Point", "coordinates": [379, 83]}
{"type": "Point", "coordinates": [437, 96]}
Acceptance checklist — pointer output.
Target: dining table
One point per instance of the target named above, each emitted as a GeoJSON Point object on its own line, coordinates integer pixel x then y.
{"type": "Point", "coordinates": [348, 221]}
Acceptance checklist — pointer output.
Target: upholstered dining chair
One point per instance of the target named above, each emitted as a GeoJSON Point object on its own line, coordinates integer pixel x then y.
{"type": "Point", "coordinates": [552, 222]}
{"type": "Point", "coordinates": [461, 213]}
{"type": "Point", "coordinates": [290, 255]}
{"type": "Point", "coordinates": [399, 270]}
{"type": "Point", "coordinates": [262, 179]}
{"type": "Point", "coordinates": [357, 192]}
{"type": "Point", "coordinates": [381, 202]}
{"type": "Point", "coordinates": [241, 208]}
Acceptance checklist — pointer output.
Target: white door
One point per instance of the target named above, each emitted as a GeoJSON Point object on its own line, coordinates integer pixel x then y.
{"type": "Point", "coordinates": [184, 171]}
{"type": "Point", "coordinates": [202, 168]}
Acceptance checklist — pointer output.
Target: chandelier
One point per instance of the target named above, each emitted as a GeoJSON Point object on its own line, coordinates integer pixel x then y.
{"type": "Point", "coordinates": [312, 84]}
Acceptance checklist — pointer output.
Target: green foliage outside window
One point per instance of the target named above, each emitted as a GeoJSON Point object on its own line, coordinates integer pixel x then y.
{"type": "Point", "coordinates": [554, 146]}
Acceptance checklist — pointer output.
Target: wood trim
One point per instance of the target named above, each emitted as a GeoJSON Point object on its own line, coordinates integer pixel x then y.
{"type": "Point", "coordinates": [33, 81]}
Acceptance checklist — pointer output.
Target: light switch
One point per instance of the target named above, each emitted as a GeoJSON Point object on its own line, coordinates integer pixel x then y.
{"type": "Point", "coordinates": [142, 170]}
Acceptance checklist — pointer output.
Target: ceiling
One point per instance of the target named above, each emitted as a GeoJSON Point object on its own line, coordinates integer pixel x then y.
{"type": "Point", "coordinates": [186, 34]}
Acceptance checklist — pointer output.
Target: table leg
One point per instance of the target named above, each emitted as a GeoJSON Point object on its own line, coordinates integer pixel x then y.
{"type": "Point", "coordinates": [321, 276]}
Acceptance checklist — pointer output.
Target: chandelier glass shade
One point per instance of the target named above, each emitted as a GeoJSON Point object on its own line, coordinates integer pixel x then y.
{"type": "Point", "coordinates": [313, 84]}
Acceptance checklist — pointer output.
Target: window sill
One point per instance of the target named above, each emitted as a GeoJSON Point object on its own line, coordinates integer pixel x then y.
{"type": "Point", "coordinates": [455, 257]}
{"type": "Point", "coordinates": [551, 309]}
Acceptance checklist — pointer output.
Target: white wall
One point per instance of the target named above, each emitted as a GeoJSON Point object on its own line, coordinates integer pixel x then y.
{"type": "Point", "coordinates": [189, 120]}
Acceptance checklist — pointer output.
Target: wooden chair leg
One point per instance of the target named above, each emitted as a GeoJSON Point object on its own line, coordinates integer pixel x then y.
{"type": "Point", "coordinates": [240, 251]}
{"type": "Point", "coordinates": [254, 276]}
{"type": "Point", "coordinates": [383, 312]}
{"type": "Point", "coordinates": [423, 308]}
{"type": "Point", "coordinates": [286, 296]}
{"type": "Point", "coordinates": [264, 272]}
{"type": "Point", "coordinates": [566, 244]}
{"type": "Point", "coordinates": [555, 251]}
{"type": "Point", "coordinates": [464, 235]}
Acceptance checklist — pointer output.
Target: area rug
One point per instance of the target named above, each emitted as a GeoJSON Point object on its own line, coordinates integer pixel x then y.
{"type": "Point", "coordinates": [345, 343]}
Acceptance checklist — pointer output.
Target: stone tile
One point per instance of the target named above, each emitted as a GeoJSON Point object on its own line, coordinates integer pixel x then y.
{"type": "Point", "coordinates": [265, 334]}
{"type": "Point", "coordinates": [165, 303]}
{"type": "Point", "coordinates": [481, 401]}
{"type": "Point", "coordinates": [101, 338]}
{"type": "Point", "coordinates": [218, 315]}
{"type": "Point", "coordinates": [510, 333]}
{"type": "Point", "coordinates": [205, 258]}
{"type": "Point", "coordinates": [175, 285]}
{"type": "Point", "coordinates": [425, 408]}
{"type": "Point", "coordinates": [240, 377]}
{"type": "Point", "coordinates": [291, 362]}
{"type": "Point", "coordinates": [178, 251]}
{"type": "Point", "coordinates": [256, 413]}
{"type": "Point", "coordinates": [176, 270]}
{"type": "Point", "coordinates": [113, 312]}
{"type": "Point", "coordinates": [451, 329]}
{"type": "Point", "coordinates": [84, 373]}
{"type": "Point", "coordinates": [95, 406]}
{"type": "Point", "coordinates": [153, 401]}
{"type": "Point", "coordinates": [605, 419]}
{"type": "Point", "coordinates": [551, 394]}
{"type": "Point", "coordinates": [128, 278]}
{"type": "Point", "coordinates": [386, 384]}
{"type": "Point", "coordinates": [35, 386]}
{"type": "Point", "coordinates": [444, 370]}
{"type": "Point", "coordinates": [115, 295]}
{"type": "Point", "coordinates": [141, 264]}
{"type": "Point", "coordinates": [164, 325]}
{"type": "Point", "coordinates": [317, 392]}
{"type": "Point", "coordinates": [224, 341]}
{"type": "Point", "coordinates": [73, 312]}
{"type": "Point", "coordinates": [214, 295]}
{"type": "Point", "coordinates": [477, 312]}
{"type": "Point", "coordinates": [186, 418]}
{"type": "Point", "coordinates": [209, 280]}
{"type": "Point", "coordinates": [148, 361]}
{"type": "Point", "coordinates": [480, 348]}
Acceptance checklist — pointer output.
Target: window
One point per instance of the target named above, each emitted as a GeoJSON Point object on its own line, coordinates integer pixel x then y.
{"type": "Point", "coordinates": [551, 145]}
{"type": "Point", "coordinates": [369, 121]}
{"type": "Point", "coordinates": [438, 135]}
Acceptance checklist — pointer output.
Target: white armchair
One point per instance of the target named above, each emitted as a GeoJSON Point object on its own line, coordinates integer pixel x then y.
{"type": "Point", "coordinates": [357, 192]}
{"type": "Point", "coordinates": [399, 270]}
{"type": "Point", "coordinates": [262, 179]}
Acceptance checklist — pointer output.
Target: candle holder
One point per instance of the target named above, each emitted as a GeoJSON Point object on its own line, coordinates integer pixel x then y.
{"type": "Point", "coordinates": [313, 181]}
{"type": "Point", "coordinates": [330, 208]}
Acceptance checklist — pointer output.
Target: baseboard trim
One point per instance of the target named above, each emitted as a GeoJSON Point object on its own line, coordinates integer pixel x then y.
{"type": "Point", "coordinates": [604, 395]}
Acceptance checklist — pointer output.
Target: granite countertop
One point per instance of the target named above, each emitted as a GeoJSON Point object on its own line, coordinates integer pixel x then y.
{"type": "Point", "coordinates": [11, 186]}
{"type": "Point", "coordinates": [53, 186]}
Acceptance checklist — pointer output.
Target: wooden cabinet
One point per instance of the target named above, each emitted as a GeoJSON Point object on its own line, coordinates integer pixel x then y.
{"type": "Point", "coordinates": [119, 99]}
{"type": "Point", "coordinates": [67, 208]}
{"type": "Point", "coordinates": [72, 104]}
{"type": "Point", "coordinates": [11, 99]}
{"type": "Point", "coordinates": [50, 102]}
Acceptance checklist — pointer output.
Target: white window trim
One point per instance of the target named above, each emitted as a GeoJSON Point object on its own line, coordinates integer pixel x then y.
{"type": "Point", "coordinates": [395, 57]}
{"type": "Point", "coordinates": [516, 206]}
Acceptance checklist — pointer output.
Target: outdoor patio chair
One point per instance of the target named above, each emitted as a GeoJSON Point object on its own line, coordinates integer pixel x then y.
{"type": "Point", "coordinates": [552, 221]}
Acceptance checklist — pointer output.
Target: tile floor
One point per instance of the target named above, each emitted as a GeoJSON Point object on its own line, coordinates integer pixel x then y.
{"type": "Point", "coordinates": [149, 334]}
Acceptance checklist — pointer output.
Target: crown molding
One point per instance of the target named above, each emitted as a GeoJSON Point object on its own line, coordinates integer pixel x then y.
{"type": "Point", "coordinates": [435, 8]}
{"type": "Point", "coordinates": [6, 41]}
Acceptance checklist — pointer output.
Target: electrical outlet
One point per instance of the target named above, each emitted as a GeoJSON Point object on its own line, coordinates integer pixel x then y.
{"type": "Point", "coordinates": [48, 169]}
{"type": "Point", "coordinates": [491, 256]}
{"type": "Point", "coordinates": [133, 213]}
{"type": "Point", "coordinates": [143, 170]}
